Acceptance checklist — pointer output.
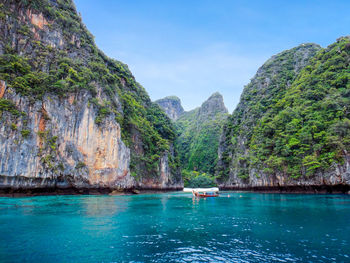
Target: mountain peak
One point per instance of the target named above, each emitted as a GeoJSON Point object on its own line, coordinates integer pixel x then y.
{"type": "Point", "coordinates": [213, 105]}
{"type": "Point", "coordinates": [215, 95]}
{"type": "Point", "coordinates": [172, 106]}
{"type": "Point", "coordinates": [300, 55]}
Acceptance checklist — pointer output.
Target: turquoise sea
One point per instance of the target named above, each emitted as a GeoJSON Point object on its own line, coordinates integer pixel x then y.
{"type": "Point", "coordinates": [174, 227]}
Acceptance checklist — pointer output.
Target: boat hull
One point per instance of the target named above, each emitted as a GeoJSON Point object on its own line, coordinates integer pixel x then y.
{"type": "Point", "coordinates": [205, 195]}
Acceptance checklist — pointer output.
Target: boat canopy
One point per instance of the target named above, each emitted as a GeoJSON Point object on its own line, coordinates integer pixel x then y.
{"type": "Point", "coordinates": [190, 190]}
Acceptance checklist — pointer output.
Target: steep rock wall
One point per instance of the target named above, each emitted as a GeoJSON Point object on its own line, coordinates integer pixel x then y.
{"type": "Point", "coordinates": [65, 147]}
{"type": "Point", "coordinates": [68, 113]}
{"type": "Point", "coordinates": [337, 176]}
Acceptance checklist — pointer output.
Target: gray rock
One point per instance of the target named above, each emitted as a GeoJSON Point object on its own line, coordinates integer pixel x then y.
{"type": "Point", "coordinates": [171, 106]}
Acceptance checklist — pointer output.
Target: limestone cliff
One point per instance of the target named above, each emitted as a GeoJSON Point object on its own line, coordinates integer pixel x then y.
{"type": "Point", "coordinates": [172, 107]}
{"type": "Point", "coordinates": [63, 148]}
{"type": "Point", "coordinates": [198, 134]}
{"type": "Point", "coordinates": [70, 117]}
{"type": "Point", "coordinates": [291, 126]}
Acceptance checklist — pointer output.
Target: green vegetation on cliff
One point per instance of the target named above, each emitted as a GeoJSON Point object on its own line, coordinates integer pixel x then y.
{"type": "Point", "coordinates": [198, 138]}
{"type": "Point", "coordinates": [59, 58]}
{"type": "Point", "coordinates": [308, 129]}
{"type": "Point", "coordinates": [266, 88]}
{"type": "Point", "coordinates": [196, 179]}
{"type": "Point", "coordinates": [293, 118]}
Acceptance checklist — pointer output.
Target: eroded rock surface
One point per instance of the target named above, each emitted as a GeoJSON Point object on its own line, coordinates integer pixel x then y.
{"type": "Point", "coordinates": [63, 107]}
{"type": "Point", "coordinates": [172, 107]}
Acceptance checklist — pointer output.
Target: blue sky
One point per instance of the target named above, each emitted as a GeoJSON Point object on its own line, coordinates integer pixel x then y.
{"type": "Point", "coordinates": [194, 48]}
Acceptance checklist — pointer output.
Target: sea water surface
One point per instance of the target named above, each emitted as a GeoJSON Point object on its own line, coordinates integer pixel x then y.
{"type": "Point", "coordinates": [175, 227]}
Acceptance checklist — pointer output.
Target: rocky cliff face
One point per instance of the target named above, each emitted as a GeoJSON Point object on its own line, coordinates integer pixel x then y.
{"type": "Point", "coordinates": [69, 116]}
{"type": "Point", "coordinates": [172, 107]}
{"type": "Point", "coordinates": [63, 147]}
{"type": "Point", "coordinates": [284, 135]}
{"type": "Point", "coordinates": [212, 106]}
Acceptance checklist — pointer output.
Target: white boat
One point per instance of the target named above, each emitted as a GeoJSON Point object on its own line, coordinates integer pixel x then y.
{"type": "Point", "coordinates": [212, 189]}
{"type": "Point", "coordinates": [203, 192]}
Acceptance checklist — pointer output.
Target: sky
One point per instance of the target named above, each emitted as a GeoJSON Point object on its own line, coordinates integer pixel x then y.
{"type": "Point", "coordinates": [193, 48]}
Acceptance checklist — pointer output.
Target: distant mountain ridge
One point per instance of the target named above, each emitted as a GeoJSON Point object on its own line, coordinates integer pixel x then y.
{"type": "Point", "coordinates": [198, 132]}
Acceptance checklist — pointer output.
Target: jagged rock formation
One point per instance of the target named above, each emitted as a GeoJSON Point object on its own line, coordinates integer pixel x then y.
{"type": "Point", "coordinates": [70, 117]}
{"type": "Point", "coordinates": [172, 107]}
{"type": "Point", "coordinates": [291, 127]}
{"type": "Point", "coordinates": [213, 106]}
{"type": "Point", "coordinates": [198, 134]}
